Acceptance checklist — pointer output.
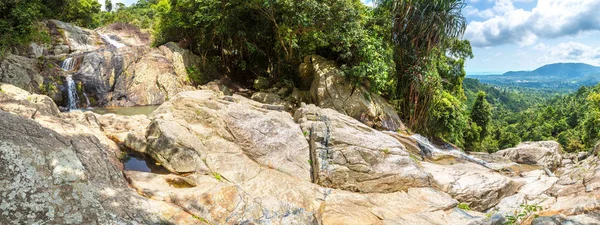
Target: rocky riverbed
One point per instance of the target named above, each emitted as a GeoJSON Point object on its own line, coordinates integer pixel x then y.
{"type": "Point", "coordinates": [322, 153]}
{"type": "Point", "coordinates": [231, 160]}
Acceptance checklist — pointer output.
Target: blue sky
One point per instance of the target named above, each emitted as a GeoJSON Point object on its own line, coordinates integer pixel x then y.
{"type": "Point", "coordinates": [526, 34]}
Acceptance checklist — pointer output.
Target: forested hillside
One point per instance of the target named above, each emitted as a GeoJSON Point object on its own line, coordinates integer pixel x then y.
{"type": "Point", "coordinates": [525, 114]}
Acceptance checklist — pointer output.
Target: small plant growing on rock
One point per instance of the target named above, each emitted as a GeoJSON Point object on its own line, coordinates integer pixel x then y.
{"type": "Point", "coordinates": [217, 176]}
{"type": "Point", "coordinates": [201, 219]}
{"type": "Point", "coordinates": [386, 151]}
{"type": "Point", "coordinates": [464, 206]}
{"type": "Point", "coordinates": [520, 216]}
{"type": "Point", "coordinates": [123, 156]}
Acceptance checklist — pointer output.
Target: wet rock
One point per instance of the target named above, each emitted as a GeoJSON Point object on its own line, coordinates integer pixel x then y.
{"type": "Point", "coordinates": [76, 38]}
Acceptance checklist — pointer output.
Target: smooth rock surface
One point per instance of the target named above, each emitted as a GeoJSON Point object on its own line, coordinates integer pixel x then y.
{"type": "Point", "coordinates": [351, 156]}
{"type": "Point", "coordinates": [470, 183]}
{"type": "Point", "coordinates": [543, 153]}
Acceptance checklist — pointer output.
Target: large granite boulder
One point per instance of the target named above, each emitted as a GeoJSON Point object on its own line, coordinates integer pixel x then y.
{"type": "Point", "coordinates": [68, 38]}
{"type": "Point", "coordinates": [194, 124]}
{"type": "Point", "coordinates": [543, 153]}
{"type": "Point", "coordinates": [472, 184]}
{"type": "Point", "coordinates": [347, 154]}
{"type": "Point", "coordinates": [61, 169]}
{"type": "Point", "coordinates": [23, 103]}
{"type": "Point", "coordinates": [21, 72]}
{"type": "Point", "coordinates": [132, 76]}
{"type": "Point", "coordinates": [330, 89]}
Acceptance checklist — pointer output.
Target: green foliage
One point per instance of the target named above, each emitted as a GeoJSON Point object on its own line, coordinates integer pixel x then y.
{"type": "Point", "coordinates": [472, 137]}
{"type": "Point", "coordinates": [386, 151]}
{"type": "Point", "coordinates": [525, 212]}
{"type": "Point", "coordinates": [201, 219]}
{"type": "Point", "coordinates": [464, 206]}
{"type": "Point", "coordinates": [217, 176]}
{"type": "Point", "coordinates": [143, 14]}
{"type": "Point", "coordinates": [423, 32]}
{"type": "Point", "coordinates": [521, 114]}
{"type": "Point", "coordinates": [18, 20]}
{"type": "Point", "coordinates": [446, 117]}
{"type": "Point", "coordinates": [270, 38]}
{"type": "Point", "coordinates": [481, 114]}
{"type": "Point", "coordinates": [195, 76]}
{"type": "Point", "coordinates": [79, 12]}
{"type": "Point", "coordinates": [108, 5]}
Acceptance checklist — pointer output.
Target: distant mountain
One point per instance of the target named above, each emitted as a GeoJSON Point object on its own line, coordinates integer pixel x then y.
{"type": "Point", "coordinates": [558, 75]}
{"type": "Point", "coordinates": [563, 70]}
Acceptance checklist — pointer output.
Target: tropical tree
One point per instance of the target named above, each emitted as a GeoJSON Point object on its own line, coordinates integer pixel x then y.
{"type": "Point", "coordinates": [108, 5]}
{"type": "Point", "coordinates": [419, 27]}
{"type": "Point", "coordinates": [17, 22]}
{"type": "Point", "coordinates": [481, 114]}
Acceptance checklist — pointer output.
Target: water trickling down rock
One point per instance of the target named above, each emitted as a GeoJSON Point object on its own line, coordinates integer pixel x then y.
{"type": "Point", "coordinates": [68, 65]}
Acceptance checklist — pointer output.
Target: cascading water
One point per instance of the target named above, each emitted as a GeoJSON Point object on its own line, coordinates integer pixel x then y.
{"type": "Point", "coordinates": [428, 149]}
{"type": "Point", "coordinates": [111, 41]}
{"type": "Point", "coordinates": [68, 65]}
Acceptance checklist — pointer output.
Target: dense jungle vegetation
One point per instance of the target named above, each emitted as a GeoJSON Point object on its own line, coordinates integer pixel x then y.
{"type": "Point", "coordinates": [409, 51]}
{"type": "Point", "coordinates": [525, 114]}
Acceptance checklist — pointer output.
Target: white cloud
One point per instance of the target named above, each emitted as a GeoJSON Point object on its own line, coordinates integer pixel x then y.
{"type": "Point", "coordinates": [501, 7]}
{"type": "Point", "coordinates": [571, 52]}
{"type": "Point", "coordinates": [549, 19]}
{"type": "Point", "coordinates": [540, 47]}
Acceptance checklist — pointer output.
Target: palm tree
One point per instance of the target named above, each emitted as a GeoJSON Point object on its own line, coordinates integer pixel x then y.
{"type": "Point", "coordinates": [418, 28]}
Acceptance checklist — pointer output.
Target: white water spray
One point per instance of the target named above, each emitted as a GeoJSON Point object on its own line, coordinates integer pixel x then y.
{"type": "Point", "coordinates": [111, 41]}
{"type": "Point", "coordinates": [427, 148]}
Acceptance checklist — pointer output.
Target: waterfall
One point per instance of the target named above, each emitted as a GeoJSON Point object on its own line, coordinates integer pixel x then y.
{"type": "Point", "coordinates": [111, 41]}
{"type": "Point", "coordinates": [428, 149]}
{"type": "Point", "coordinates": [72, 93]}
{"type": "Point", "coordinates": [68, 65]}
